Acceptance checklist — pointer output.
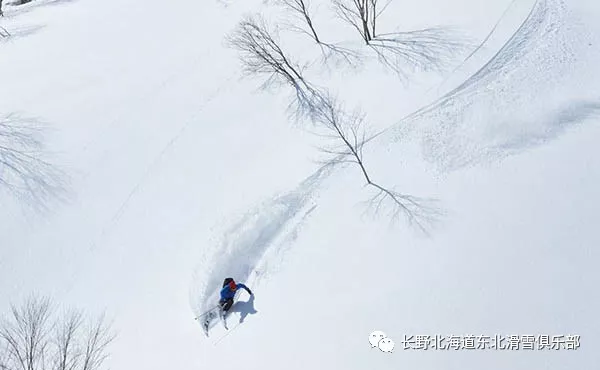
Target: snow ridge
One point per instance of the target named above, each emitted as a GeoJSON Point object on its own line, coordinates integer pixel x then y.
{"type": "Point", "coordinates": [498, 111]}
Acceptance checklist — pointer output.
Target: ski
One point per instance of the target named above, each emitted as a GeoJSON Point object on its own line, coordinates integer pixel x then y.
{"type": "Point", "coordinates": [206, 322]}
{"type": "Point", "coordinates": [206, 313]}
{"type": "Point", "coordinates": [216, 312]}
{"type": "Point", "coordinates": [222, 315]}
{"type": "Point", "coordinates": [205, 327]}
{"type": "Point", "coordinates": [207, 318]}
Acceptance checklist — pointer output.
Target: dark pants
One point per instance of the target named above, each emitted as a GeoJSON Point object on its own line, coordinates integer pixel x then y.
{"type": "Point", "coordinates": [226, 304]}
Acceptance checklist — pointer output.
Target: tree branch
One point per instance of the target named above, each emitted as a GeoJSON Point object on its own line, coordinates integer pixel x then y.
{"type": "Point", "coordinates": [261, 54]}
{"type": "Point", "coordinates": [33, 338]}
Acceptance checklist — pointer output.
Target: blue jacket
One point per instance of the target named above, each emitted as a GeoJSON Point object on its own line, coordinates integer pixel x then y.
{"type": "Point", "coordinates": [227, 293]}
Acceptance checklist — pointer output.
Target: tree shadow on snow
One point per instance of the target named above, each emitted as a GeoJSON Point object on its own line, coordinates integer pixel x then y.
{"type": "Point", "coordinates": [244, 308]}
{"type": "Point", "coordinates": [26, 169]}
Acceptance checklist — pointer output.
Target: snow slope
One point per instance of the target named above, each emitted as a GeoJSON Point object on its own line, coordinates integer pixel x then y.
{"type": "Point", "coordinates": [181, 173]}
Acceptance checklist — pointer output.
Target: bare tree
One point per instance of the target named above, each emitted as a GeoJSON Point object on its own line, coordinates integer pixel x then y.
{"type": "Point", "coordinates": [67, 355]}
{"type": "Point", "coordinates": [98, 337]}
{"type": "Point", "coordinates": [426, 49]}
{"type": "Point", "coordinates": [360, 14]}
{"type": "Point", "coordinates": [26, 336]}
{"type": "Point", "coordinates": [261, 55]}
{"type": "Point", "coordinates": [300, 8]}
{"type": "Point", "coordinates": [330, 51]}
{"type": "Point", "coordinates": [23, 169]}
{"type": "Point", "coordinates": [349, 132]}
{"type": "Point", "coordinates": [35, 338]}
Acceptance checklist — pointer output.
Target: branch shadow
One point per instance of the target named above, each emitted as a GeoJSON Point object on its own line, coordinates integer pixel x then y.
{"type": "Point", "coordinates": [430, 49]}
{"type": "Point", "coordinates": [25, 169]}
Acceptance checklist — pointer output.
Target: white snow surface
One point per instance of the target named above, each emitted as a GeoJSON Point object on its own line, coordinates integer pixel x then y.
{"type": "Point", "coordinates": [179, 173]}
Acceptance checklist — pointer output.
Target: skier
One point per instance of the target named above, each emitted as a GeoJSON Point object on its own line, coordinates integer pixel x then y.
{"type": "Point", "coordinates": [230, 287]}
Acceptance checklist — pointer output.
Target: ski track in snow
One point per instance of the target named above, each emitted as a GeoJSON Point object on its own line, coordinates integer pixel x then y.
{"type": "Point", "coordinates": [249, 248]}
{"type": "Point", "coordinates": [260, 236]}
{"type": "Point", "coordinates": [460, 129]}
{"type": "Point", "coordinates": [455, 131]}
{"type": "Point", "coordinates": [115, 219]}
{"type": "Point", "coordinates": [480, 46]}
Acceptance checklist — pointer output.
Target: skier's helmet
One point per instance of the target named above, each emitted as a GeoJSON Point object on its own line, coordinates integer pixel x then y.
{"type": "Point", "coordinates": [232, 285]}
